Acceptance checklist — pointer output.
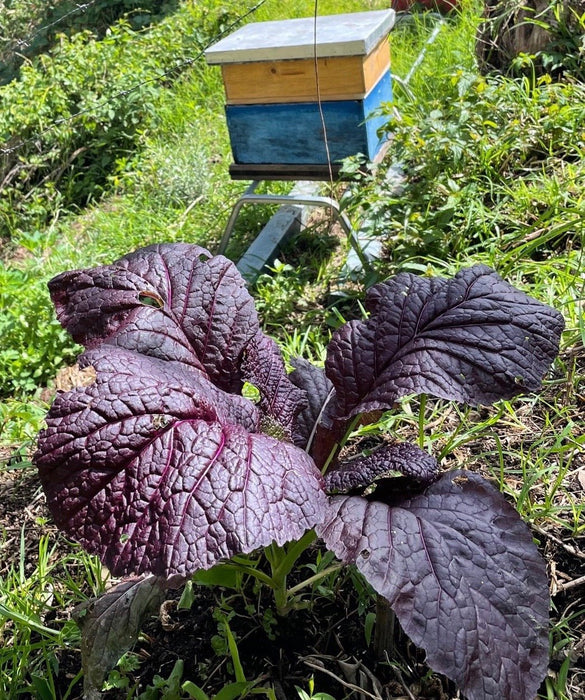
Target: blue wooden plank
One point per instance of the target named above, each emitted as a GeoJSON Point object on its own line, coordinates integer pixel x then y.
{"type": "Point", "coordinates": [292, 133]}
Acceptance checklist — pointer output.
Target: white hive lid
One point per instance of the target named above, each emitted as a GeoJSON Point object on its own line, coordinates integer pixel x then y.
{"type": "Point", "coordinates": [354, 34]}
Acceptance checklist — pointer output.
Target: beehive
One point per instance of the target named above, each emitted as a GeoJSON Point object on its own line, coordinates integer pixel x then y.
{"type": "Point", "coordinates": [285, 79]}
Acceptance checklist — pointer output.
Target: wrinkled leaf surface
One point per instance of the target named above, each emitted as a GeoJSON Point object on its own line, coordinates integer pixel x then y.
{"type": "Point", "coordinates": [403, 457]}
{"type": "Point", "coordinates": [473, 338]}
{"type": "Point", "coordinates": [463, 575]}
{"type": "Point", "coordinates": [170, 301]}
{"type": "Point", "coordinates": [280, 399]}
{"type": "Point", "coordinates": [156, 470]}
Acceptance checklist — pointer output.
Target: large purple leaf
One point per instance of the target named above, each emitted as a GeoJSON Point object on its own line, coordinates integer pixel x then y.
{"type": "Point", "coordinates": [463, 575]}
{"type": "Point", "coordinates": [474, 338]}
{"type": "Point", "coordinates": [155, 470]}
{"type": "Point", "coordinates": [280, 399]}
{"type": "Point", "coordinates": [319, 392]}
{"type": "Point", "coordinates": [170, 301]}
{"type": "Point", "coordinates": [402, 457]}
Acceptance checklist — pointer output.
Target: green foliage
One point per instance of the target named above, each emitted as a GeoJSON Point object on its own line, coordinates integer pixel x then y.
{"type": "Point", "coordinates": [19, 423]}
{"type": "Point", "coordinates": [30, 28]}
{"type": "Point", "coordinates": [76, 111]}
{"type": "Point", "coordinates": [30, 645]}
{"type": "Point", "coordinates": [312, 695]}
{"type": "Point", "coordinates": [565, 21]}
{"type": "Point", "coordinates": [533, 38]}
{"type": "Point", "coordinates": [484, 157]}
{"type": "Point", "coordinates": [34, 344]}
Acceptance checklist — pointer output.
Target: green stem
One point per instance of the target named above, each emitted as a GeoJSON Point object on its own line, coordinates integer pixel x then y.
{"type": "Point", "coordinates": [281, 596]}
{"type": "Point", "coordinates": [276, 557]}
{"type": "Point", "coordinates": [295, 550]}
{"type": "Point", "coordinates": [421, 421]}
{"type": "Point", "coordinates": [260, 575]}
{"type": "Point", "coordinates": [282, 562]}
{"type": "Point", "coordinates": [339, 445]}
{"type": "Point", "coordinates": [313, 579]}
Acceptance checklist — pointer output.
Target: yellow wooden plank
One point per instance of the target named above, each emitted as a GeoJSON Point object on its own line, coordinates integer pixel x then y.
{"type": "Point", "coordinates": [376, 64]}
{"type": "Point", "coordinates": [340, 78]}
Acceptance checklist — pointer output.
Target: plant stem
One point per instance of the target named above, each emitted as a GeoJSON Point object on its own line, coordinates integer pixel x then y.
{"type": "Point", "coordinates": [339, 445]}
{"type": "Point", "coordinates": [244, 568]}
{"type": "Point", "coordinates": [421, 421]}
{"type": "Point", "coordinates": [313, 579]}
{"type": "Point", "coordinates": [295, 550]}
{"type": "Point", "coordinates": [276, 557]}
{"type": "Point", "coordinates": [282, 562]}
{"type": "Point", "coordinates": [384, 630]}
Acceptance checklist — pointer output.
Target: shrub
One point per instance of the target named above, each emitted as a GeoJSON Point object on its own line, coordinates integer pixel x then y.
{"type": "Point", "coordinates": [465, 154]}
{"type": "Point", "coordinates": [77, 111]}
{"type": "Point", "coordinates": [33, 344]}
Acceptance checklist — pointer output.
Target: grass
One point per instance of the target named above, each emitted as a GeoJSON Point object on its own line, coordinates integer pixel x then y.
{"type": "Point", "coordinates": [496, 174]}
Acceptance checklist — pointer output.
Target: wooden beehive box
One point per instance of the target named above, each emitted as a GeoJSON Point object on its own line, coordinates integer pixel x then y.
{"type": "Point", "coordinates": [284, 79]}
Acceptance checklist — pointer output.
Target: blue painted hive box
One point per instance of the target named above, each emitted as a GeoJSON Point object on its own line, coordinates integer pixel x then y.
{"type": "Point", "coordinates": [302, 93]}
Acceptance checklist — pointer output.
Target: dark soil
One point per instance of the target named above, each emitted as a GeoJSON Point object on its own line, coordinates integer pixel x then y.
{"type": "Point", "coordinates": [326, 641]}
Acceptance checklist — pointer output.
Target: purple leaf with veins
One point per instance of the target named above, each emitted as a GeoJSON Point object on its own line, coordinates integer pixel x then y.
{"type": "Point", "coordinates": [156, 470]}
{"type": "Point", "coordinates": [462, 574]}
{"type": "Point", "coordinates": [170, 301]}
{"type": "Point", "coordinates": [473, 338]}
{"type": "Point", "coordinates": [111, 624]}
{"type": "Point", "coordinates": [280, 399]}
{"type": "Point", "coordinates": [362, 471]}
{"type": "Point", "coordinates": [319, 393]}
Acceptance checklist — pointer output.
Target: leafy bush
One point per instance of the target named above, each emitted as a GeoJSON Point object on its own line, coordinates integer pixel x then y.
{"type": "Point", "coordinates": [33, 343]}
{"type": "Point", "coordinates": [464, 156]}
{"type": "Point", "coordinates": [534, 37]}
{"type": "Point", "coordinates": [27, 29]}
{"type": "Point", "coordinates": [159, 464]}
{"type": "Point", "coordinates": [75, 112]}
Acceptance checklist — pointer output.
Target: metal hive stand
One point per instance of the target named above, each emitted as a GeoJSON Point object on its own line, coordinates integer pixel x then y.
{"type": "Point", "coordinates": [250, 196]}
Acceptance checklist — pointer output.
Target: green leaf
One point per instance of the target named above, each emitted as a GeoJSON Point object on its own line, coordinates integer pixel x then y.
{"type": "Point", "coordinates": [234, 652]}
{"type": "Point", "coordinates": [41, 687]}
{"type": "Point", "coordinates": [233, 691]}
{"type": "Point", "coordinates": [194, 691]}
{"type": "Point", "coordinates": [220, 575]}
{"type": "Point", "coordinates": [187, 597]}
{"type": "Point", "coordinates": [369, 626]}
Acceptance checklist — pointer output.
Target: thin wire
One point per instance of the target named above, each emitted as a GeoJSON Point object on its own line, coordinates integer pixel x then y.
{"type": "Point", "coordinates": [129, 91]}
{"type": "Point", "coordinates": [25, 43]}
{"type": "Point", "coordinates": [318, 86]}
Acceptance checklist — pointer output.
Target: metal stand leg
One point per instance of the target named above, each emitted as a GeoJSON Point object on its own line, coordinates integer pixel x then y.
{"type": "Point", "coordinates": [250, 197]}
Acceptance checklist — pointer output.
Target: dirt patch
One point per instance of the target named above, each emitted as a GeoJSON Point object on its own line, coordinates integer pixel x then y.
{"type": "Point", "coordinates": [22, 509]}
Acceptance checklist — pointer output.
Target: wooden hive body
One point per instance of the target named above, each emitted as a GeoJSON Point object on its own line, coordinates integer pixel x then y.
{"type": "Point", "coordinates": [284, 79]}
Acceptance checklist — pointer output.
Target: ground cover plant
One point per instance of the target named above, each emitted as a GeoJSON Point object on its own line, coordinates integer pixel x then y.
{"type": "Point", "coordinates": [160, 466]}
